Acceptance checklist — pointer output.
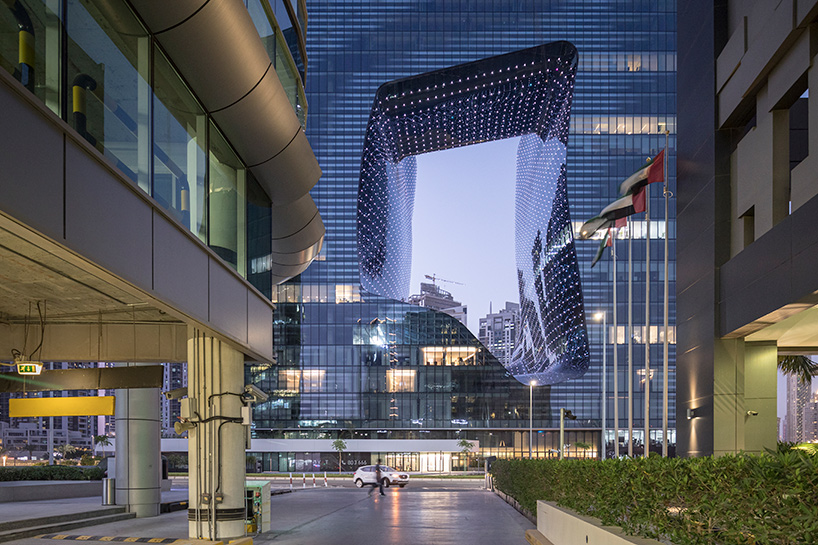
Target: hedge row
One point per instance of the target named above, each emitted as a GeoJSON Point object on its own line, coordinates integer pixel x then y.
{"type": "Point", "coordinates": [744, 499]}
{"type": "Point", "coordinates": [50, 473]}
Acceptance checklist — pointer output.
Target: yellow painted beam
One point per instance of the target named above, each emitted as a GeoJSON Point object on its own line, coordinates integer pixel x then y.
{"type": "Point", "coordinates": [61, 406]}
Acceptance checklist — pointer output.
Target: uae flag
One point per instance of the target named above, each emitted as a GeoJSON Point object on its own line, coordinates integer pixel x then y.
{"type": "Point", "coordinates": [652, 172]}
{"type": "Point", "coordinates": [607, 241]}
{"type": "Point", "coordinates": [614, 213]}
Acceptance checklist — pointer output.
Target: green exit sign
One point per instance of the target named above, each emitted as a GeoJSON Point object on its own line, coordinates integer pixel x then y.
{"type": "Point", "coordinates": [29, 368]}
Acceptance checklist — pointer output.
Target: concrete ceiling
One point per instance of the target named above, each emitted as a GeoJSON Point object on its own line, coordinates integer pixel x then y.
{"type": "Point", "coordinates": [797, 334]}
{"type": "Point", "coordinates": [69, 290]}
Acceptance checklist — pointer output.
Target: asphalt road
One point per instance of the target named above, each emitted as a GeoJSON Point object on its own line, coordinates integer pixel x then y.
{"type": "Point", "coordinates": [439, 512]}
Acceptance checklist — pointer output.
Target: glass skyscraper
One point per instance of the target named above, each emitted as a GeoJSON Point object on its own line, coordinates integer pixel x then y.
{"type": "Point", "coordinates": [353, 364]}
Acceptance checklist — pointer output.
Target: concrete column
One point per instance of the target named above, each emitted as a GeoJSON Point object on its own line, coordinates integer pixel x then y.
{"type": "Point", "coordinates": [138, 457]}
{"type": "Point", "coordinates": [216, 443]}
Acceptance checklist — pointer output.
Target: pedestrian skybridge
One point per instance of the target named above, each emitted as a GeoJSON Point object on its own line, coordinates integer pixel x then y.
{"type": "Point", "coordinates": [524, 94]}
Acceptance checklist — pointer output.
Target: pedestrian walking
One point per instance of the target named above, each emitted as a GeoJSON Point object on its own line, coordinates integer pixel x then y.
{"type": "Point", "coordinates": [378, 476]}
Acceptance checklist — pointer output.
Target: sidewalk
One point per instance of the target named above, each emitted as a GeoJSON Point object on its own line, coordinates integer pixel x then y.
{"type": "Point", "coordinates": [25, 510]}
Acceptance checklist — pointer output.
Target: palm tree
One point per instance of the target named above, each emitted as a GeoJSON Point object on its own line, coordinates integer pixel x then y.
{"type": "Point", "coordinates": [584, 446]}
{"type": "Point", "coordinates": [102, 440]}
{"type": "Point", "coordinates": [28, 447]}
{"type": "Point", "coordinates": [465, 447]}
{"type": "Point", "coordinates": [66, 450]}
{"type": "Point", "coordinates": [799, 366]}
{"type": "Point", "coordinates": [340, 445]}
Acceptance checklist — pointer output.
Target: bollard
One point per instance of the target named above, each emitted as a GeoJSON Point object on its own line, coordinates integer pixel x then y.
{"type": "Point", "coordinates": [291, 481]}
{"type": "Point", "coordinates": [325, 479]}
{"type": "Point", "coordinates": [108, 491]}
{"type": "Point", "coordinates": [304, 480]}
{"type": "Point", "coordinates": [313, 480]}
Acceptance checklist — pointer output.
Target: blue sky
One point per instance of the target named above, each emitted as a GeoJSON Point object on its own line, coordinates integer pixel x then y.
{"type": "Point", "coordinates": [463, 226]}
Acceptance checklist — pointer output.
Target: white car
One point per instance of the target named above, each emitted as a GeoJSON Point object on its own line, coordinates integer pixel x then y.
{"type": "Point", "coordinates": [391, 476]}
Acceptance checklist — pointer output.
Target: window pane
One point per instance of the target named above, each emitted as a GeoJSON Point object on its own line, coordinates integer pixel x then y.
{"type": "Point", "coordinates": [107, 74]}
{"type": "Point", "coordinates": [30, 45]}
{"type": "Point", "coordinates": [228, 224]}
{"type": "Point", "coordinates": [179, 133]}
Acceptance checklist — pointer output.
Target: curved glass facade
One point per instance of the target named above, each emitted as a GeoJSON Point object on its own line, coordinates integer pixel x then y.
{"type": "Point", "coordinates": [624, 99]}
{"type": "Point", "coordinates": [521, 93]}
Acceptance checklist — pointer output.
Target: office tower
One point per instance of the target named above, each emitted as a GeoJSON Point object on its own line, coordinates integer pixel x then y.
{"type": "Point", "coordinates": [810, 419]}
{"type": "Point", "coordinates": [175, 376]}
{"type": "Point", "coordinates": [747, 202]}
{"type": "Point", "coordinates": [328, 329]}
{"type": "Point", "coordinates": [498, 331]}
{"type": "Point", "coordinates": [433, 296]}
{"type": "Point", "coordinates": [799, 396]}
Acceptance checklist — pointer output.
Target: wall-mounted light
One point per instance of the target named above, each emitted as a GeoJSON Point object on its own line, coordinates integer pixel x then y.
{"type": "Point", "coordinates": [693, 413]}
{"type": "Point", "coordinates": [182, 426]}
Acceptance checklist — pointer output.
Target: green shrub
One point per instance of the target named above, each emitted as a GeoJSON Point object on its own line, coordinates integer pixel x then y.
{"type": "Point", "coordinates": [743, 499]}
{"type": "Point", "coordinates": [50, 473]}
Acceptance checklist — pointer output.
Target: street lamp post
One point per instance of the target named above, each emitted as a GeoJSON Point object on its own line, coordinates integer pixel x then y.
{"type": "Point", "coordinates": [531, 415]}
{"type": "Point", "coordinates": [564, 413]}
{"type": "Point", "coordinates": [604, 316]}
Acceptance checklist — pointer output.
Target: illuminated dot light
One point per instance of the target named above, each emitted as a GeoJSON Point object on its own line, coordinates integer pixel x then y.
{"type": "Point", "coordinates": [527, 93]}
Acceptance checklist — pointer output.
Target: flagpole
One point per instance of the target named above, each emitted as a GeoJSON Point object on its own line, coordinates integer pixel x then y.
{"type": "Point", "coordinates": [646, 339]}
{"type": "Point", "coordinates": [665, 367]}
{"type": "Point", "coordinates": [615, 355]}
{"type": "Point", "coordinates": [630, 340]}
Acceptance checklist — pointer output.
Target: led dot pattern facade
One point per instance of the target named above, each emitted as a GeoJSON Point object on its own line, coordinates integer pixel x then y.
{"type": "Point", "coordinates": [623, 100]}
{"type": "Point", "coordinates": [526, 92]}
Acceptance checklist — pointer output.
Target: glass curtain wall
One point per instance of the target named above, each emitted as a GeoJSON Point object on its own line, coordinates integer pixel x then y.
{"type": "Point", "coordinates": [96, 66]}
{"type": "Point", "coordinates": [624, 99]}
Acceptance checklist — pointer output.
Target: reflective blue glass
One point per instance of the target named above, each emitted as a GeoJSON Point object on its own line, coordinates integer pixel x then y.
{"type": "Point", "coordinates": [624, 100]}
{"type": "Point", "coordinates": [527, 92]}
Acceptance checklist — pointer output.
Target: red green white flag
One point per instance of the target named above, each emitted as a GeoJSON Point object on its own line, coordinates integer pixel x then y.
{"type": "Point", "coordinates": [652, 172]}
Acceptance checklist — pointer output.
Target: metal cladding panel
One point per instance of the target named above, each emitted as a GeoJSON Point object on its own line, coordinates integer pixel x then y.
{"type": "Point", "coordinates": [260, 326]}
{"type": "Point", "coordinates": [106, 222]}
{"type": "Point", "coordinates": [32, 165]}
{"type": "Point", "coordinates": [218, 52]}
{"type": "Point", "coordinates": [228, 302]}
{"type": "Point", "coordinates": [291, 174]}
{"type": "Point", "coordinates": [298, 258]}
{"type": "Point", "coordinates": [293, 217]}
{"type": "Point", "coordinates": [179, 268]}
{"type": "Point", "coordinates": [527, 93]}
{"type": "Point", "coordinates": [261, 124]}
{"type": "Point", "coordinates": [160, 15]}
{"type": "Point", "coordinates": [303, 240]}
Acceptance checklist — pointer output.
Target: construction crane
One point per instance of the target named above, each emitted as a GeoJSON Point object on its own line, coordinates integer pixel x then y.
{"type": "Point", "coordinates": [434, 279]}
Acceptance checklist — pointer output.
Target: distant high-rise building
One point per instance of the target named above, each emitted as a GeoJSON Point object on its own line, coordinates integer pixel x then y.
{"type": "Point", "coordinates": [798, 395]}
{"type": "Point", "coordinates": [434, 297]}
{"type": "Point", "coordinates": [175, 376]}
{"type": "Point", "coordinates": [809, 420]}
{"type": "Point", "coordinates": [498, 330]}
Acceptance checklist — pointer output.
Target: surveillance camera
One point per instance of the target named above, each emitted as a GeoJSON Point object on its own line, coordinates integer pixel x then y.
{"type": "Point", "coordinates": [752, 413]}
{"type": "Point", "coordinates": [255, 394]}
{"type": "Point", "coordinates": [176, 393]}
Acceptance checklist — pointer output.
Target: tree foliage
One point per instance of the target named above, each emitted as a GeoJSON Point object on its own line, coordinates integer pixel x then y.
{"type": "Point", "coordinates": [798, 366]}
{"type": "Point", "coordinates": [340, 446]}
